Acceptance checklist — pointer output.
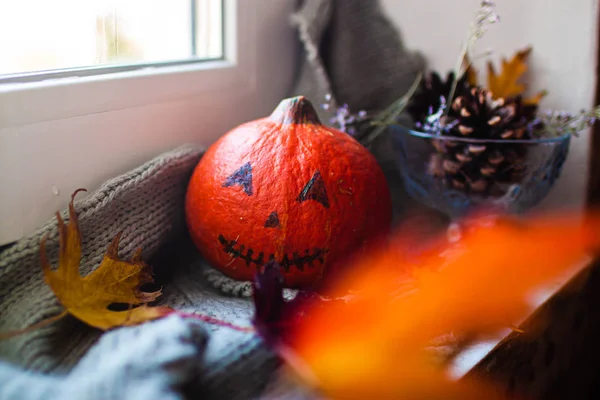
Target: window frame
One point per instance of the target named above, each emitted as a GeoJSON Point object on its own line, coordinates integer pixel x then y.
{"type": "Point", "coordinates": [119, 87]}
{"type": "Point", "coordinates": [78, 131]}
{"type": "Point", "coordinates": [94, 70]}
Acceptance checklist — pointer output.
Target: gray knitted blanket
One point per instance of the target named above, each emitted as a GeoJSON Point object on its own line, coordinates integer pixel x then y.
{"type": "Point", "coordinates": [352, 52]}
{"type": "Point", "coordinates": [156, 357]}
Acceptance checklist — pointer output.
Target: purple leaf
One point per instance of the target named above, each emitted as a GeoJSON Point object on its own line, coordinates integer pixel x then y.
{"type": "Point", "coordinates": [274, 317]}
{"type": "Point", "coordinates": [268, 301]}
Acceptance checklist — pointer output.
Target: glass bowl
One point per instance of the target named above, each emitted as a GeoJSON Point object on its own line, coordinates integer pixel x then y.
{"type": "Point", "coordinates": [458, 175]}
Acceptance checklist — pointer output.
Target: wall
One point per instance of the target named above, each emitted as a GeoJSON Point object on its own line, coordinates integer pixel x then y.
{"type": "Point", "coordinates": [563, 34]}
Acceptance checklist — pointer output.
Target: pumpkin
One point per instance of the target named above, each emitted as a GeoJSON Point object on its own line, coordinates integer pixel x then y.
{"type": "Point", "coordinates": [289, 189]}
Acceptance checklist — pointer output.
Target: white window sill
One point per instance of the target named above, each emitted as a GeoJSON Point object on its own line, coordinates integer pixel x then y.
{"type": "Point", "coordinates": [33, 102]}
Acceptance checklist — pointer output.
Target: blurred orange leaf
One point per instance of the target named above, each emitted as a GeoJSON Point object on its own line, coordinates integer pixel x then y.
{"type": "Point", "coordinates": [373, 346]}
{"type": "Point", "coordinates": [114, 281]}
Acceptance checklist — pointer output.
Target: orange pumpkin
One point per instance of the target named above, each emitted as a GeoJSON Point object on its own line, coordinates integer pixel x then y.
{"type": "Point", "coordinates": [289, 189]}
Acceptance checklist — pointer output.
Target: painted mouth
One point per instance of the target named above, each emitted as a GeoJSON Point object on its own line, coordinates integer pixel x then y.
{"type": "Point", "coordinates": [296, 259]}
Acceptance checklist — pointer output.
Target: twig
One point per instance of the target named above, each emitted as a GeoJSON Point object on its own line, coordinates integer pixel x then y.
{"type": "Point", "coordinates": [389, 115]}
{"type": "Point", "coordinates": [553, 124]}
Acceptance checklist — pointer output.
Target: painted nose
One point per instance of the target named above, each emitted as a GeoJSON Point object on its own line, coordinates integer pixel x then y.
{"type": "Point", "coordinates": [272, 221]}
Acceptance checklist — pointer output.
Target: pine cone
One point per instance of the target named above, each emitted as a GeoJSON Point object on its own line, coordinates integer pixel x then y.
{"type": "Point", "coordinates": [427, 99]}
{"type": "Point", "coordinates": [471, 167]}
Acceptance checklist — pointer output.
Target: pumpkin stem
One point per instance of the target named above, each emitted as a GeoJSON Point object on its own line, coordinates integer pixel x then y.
{"type": "Point", "coordinates": [295, 110]}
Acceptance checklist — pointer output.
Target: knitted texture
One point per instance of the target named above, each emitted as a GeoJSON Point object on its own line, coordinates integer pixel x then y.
{"type": "Point", "coordinates": [147, 362]}
{"type": "Point", "coordinates": [146, 204]}
{"type": "Point", "coordinates": [353, 53]}
{"type": "Point", "coordinates": [235, 288]}
{"type": "Point", "coordinates": [237, 365]}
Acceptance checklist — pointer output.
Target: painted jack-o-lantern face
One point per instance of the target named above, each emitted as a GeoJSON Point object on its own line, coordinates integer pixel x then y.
{"type": "Point", "coordinates": [289, 189]}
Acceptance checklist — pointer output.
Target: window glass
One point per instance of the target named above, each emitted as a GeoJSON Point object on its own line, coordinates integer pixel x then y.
{"type": "Point", "coordinates": [42, 35]}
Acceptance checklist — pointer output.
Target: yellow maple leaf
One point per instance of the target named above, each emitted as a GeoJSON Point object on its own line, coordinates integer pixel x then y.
{"type": "Point", "coordinates": [531, 101]}
{"type": "Point", "coordinates": [373, 345]}
{"type": "Point", "coordinates": [506, 83]}
{"type": "Point", "coordinates": [115, 281]}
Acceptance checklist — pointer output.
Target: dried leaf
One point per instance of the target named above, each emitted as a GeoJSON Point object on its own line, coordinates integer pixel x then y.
{"type": "Point", "coordinates": [373, 346]}
{"type": "Point", "coordinates": [270, 307]}
{"type": "Point", "coordinates": [506, 83]}
{"type": "Point", "coordinates": [114, 281]}
{"type": "Point", "coordinates": [535, 100]}
{"type": "Point", "coordinates": [275, 318]}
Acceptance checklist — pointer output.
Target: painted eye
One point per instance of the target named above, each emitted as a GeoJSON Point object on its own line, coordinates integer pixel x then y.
{"type": "Point", "coordinates": [315, 190]}
{"type": "Point", "coordinates": [272, 221]}
{"type": "Point", "coordinates": [241, 177]}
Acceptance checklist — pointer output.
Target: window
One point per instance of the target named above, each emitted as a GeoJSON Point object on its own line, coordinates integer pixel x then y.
{"type": "Point", "coordinates": [79, 126]}
{"type": "Point", "coordinates": [63, 35]}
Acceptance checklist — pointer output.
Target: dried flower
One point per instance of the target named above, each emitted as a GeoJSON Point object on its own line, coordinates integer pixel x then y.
{"type": "Point", "coordinates": [363, 126]}
{"type": "Point", "coordinates": [486, 15]}
{"type": "Point", "coordinates": [552, 123]}
{"type": "Point", "coordinates": [436, 122]}
{"type": "Point", "coordinates": [343, 119]}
